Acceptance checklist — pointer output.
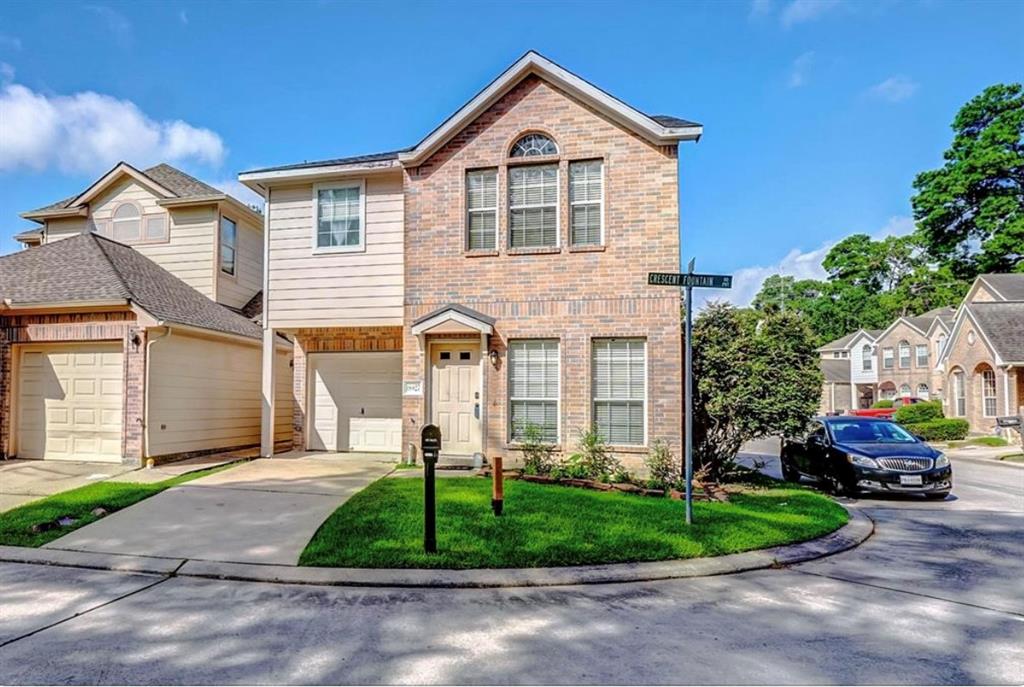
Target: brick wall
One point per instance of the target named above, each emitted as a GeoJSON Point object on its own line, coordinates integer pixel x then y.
{"type": "Point", "coordinates": [113, 326]}
{"type": "Point", "coordinates": [914, 375]}
{"type": "Point", "coordinates": [971, 354]}
{"type": "Point", "coordinates": [570, 294]}
{"type": "Point", "coordinates": [331, 339]}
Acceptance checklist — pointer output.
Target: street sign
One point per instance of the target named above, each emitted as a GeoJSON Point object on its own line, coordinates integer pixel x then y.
{"type": "Point", "coordinates": [703, 281]}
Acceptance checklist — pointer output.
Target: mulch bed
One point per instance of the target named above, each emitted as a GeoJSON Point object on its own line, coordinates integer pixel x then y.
{"type": "Point", "coordinates": [705, 491]}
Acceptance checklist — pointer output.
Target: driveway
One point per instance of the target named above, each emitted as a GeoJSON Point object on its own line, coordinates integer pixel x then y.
{"type": "Point", "coordinates": [264, 511]}
{"type": "Point", "coordinates": [22, 481]}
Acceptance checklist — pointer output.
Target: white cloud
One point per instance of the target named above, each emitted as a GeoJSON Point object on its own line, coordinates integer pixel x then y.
{"type": "Point", "coordinates": [6, 73]}
{"type": "Point", "coordinates": [796, 263]}
{"type": "Point", "coordinates": [799, 71]}
{"type": "Point", "coordinates": [10, 42]}
{"type": "Point", "coordinates": [118, 24]}
{"type": "Point", "coordinates": [759, 8]}
{"type": "Point", "coordinates": [89, 132]}
{"type": "Point", "coordinates": [240, 191]}
{"type": "Point", "coordinates": [894, 89]}
{"type": "Point", "coordinates": [800, 11]}
{"type": "Point", "coordinates": [183, 17]}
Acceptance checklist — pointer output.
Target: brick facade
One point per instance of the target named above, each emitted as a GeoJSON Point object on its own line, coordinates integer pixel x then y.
{"type": "Point", "coordinates": [914, 375]}
{"type": "Point", "coordinates": [572, 294]}
{"type": "Point", "coordinates": [66, 328]}
{"type": "Point", "coordinates": [970, 354]}
{"type": "Point", "coordinates": [324, 340]}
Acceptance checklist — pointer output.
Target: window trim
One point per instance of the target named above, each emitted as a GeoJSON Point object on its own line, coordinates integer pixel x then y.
{"type": "Point", "coordinates": [558, 207]}
{"type": "Point", "coordinates": [888, 358]}
{"type": "Point", "coordinates": [220, 248]}
{"type": "Point", "coordinates": [497, 209]}
{"type": "Point", "coordinates": [899, 347]}
{"type": "Point", "coordinates": [332, 186]}
{"type": "Point", "coordinates": [995, 393]}
{"type": "Point", "coordinates": [917, 355]}
{"type": "Point", "coordinates": [646, 395]}
{"type": "Point", "coordinates": [959, 393]}
{"type": "Point", "coordinates": [533, 132]}
{"type": "Point", "coordinates": [113, 221]}
{"type": "Point", "coordinates": [601, 202]}
{"type": "Point", "coordinates": [927, 391]}
{"type": "Point", "coordinates": [867, 357]}
{"type": "Point", "coordinates": [510, 438]}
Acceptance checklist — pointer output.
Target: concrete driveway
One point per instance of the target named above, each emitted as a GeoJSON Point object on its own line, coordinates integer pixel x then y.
{"type": "Point", "coordinates": [264, 511]}
{"type": "Point", "coordinates": [22, 481]}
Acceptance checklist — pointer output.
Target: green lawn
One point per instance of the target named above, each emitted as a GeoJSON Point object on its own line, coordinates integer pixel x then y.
{"type": "Point", "coordinates": [78, 503]}
{"type": "Point", "coordinates": [548, 525]}
{"type": "Point", "coordinates": [981, 441]}
{"type": "Point", "coordinates": [1013, 457]}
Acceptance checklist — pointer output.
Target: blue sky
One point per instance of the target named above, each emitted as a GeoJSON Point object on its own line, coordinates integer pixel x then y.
{"type": "Point", "coordinates": [817, 114]}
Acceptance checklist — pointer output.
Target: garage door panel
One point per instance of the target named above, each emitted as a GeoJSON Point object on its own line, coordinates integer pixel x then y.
{"type": "Point", "coordinates": [70, 402]}
{"type": "Point", "coordinates": [357, 401]}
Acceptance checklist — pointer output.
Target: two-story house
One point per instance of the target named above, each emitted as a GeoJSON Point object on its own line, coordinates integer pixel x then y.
{"type": "Point", "coordinates": [492, 276]}
{"type": "Point", "coordinates": [128, 333]}
{"type": "Point", "coordinates": [907, 352]}
{"type": "Point", "coordinates": [849, 366]}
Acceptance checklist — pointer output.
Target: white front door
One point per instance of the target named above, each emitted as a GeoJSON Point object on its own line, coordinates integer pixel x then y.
{"type": "Point", "coordinates": [355, 402]}
{"type": "Point", "coordinates": [455, 396]}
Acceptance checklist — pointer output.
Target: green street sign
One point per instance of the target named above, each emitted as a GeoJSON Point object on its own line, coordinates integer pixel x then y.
{"type": "Point", "coordinates": [707, 281]}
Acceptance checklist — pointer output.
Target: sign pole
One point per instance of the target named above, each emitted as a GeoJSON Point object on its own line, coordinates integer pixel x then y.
{"type": "Point", "coordinates": [430, 446]}
{"type": "Point", "coordinates": [688, 399]}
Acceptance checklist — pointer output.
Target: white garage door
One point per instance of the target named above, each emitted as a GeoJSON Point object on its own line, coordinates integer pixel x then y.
{"type": "Point", "coordinates": [356, 401]}
{"type": "Point", "coordinates": [69, 402]}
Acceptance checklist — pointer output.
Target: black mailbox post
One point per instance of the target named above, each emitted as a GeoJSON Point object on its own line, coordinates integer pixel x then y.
{"type": "Point", "coordinates": [430, 446]}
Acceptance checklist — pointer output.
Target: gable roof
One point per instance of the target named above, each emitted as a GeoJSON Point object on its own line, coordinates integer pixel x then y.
{"type": "Point", "coordinates": [844, 342]}
{"type": "Point", "coordinates": [836, 370]}
{"type": "Point", "coordinates": [170, 182]}
{"type": "Point", "coordinates": [1003, 327]}
{"type": "Point", "coordinates": [88, 269]}
{"type": "Point", "coordinates": [1008, 287]}
{"type": "Point", "coordinates": [924, 323]}
{"type": "Point", "coordinates": [660, 129]}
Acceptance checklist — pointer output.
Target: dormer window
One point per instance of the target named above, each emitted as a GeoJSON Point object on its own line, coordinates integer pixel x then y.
{"type": "Point", "coordinates": [533, 145]}
{"type": "Point", "coordinates": [126, 224]}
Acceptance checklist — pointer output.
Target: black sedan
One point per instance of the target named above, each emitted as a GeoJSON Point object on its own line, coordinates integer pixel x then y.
{"type": "Point", "coordinates": [863, 454]}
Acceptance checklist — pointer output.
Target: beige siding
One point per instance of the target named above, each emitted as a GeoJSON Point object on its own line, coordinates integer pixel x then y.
{"type": "Point", "coordinates": [203, 394]}
{"type": "Point", "coordinates": [238, 289]}
{"type": "Point", "coordinates": [57, 229]}
{"type": "Point", "coordinates": [283, 398]}
{"type": "Point", "coordinates": [339, 289]}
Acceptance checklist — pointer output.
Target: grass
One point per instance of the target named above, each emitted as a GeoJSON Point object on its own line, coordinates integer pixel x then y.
{"type": "Point", "coordinates": [981, 441]}
{"type": "Point", "coordinates": [549, 525]}
{"type": "Point", "coordinates": [15, 524]}
{"type": "Point", "coordinates": [1013, 457]}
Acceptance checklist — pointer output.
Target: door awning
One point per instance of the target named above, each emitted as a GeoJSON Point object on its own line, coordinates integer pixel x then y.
{"type": "Point", "coordinates": [453, 318]}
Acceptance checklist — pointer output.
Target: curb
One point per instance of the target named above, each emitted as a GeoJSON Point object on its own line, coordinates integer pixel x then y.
{"type": "Point", "coordinates": [852, 534]}
{"type": "Point", "coordinates": [978, 460]}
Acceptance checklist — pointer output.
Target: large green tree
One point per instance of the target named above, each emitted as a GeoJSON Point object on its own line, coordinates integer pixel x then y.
{"type": "Point", "coordinates": [756, 375]}
{"type": "Point", "coordinates": [970, 211]}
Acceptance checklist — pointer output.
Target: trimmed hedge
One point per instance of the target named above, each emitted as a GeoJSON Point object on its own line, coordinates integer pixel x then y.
{"type": "Point", "coordinates": [943, 429]}
{"type": "Point", "coordinates": [884, 403]}
{"type": "Point", "coordinates": [919, 412]}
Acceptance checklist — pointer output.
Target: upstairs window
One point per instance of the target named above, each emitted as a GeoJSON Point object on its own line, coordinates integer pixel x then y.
{"type": "Point", "coordinates": [533, 206]}
{"type": "Point", "coordinates": [940, 344]}
{"type": "Point", "coordinates": [887, 358]}
{"type": "Point", "coordinates": [619, 386]}
{"type": "Point", "coordinates": [126, 224]}
{"type": "Point", "coordinates": [533, 145]}
{"type": "Point", "coordinates": [228, 244]}
{"type": "Point", "coordinates": [866, 357]}
{"type": "Point", "coordinates": [922, 355]}
{"type": "Point", "coordinates": [339, 217]}
{"type": "Point", "coordinates": [482, 209]}
{"type": "Point", "coordinates": [586, 202]}
{"type": "Point", "coordinates": [904, 354]}
{"type": "Point", "coordinates": [156, 228]}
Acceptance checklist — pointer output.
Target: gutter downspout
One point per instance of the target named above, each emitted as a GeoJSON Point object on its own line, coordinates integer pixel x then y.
{"type": "Point", "coordinates": [145, 403]}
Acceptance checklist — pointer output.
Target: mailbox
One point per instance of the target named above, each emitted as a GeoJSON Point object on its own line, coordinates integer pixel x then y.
{"type": "Point", "coordinates": [430, 442]}
{"type": "Point", "coordinates": [1013, 421]}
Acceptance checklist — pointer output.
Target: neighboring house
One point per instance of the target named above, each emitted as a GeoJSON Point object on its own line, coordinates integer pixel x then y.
{"type": "Point", "coordinates": [492, 275]}
{"type": "Point", "coordinates": [30, 238]}
{"type": "Point", "coordinates": [907, 353]}
{"type": "Point", "coordinates": [983, 362]}
{"type": "Point", "coordinates": [122, 336]}
{"type": "Point", "coordinates": [850, 368]}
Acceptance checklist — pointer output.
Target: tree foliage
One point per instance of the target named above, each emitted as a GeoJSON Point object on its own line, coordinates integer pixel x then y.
{"type": "Point", "coordinates": [970, 211]}
{"type": "Point", "coordinates": [756, 374]}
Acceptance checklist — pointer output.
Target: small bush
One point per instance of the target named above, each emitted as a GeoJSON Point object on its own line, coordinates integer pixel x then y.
{"type": "Point", "coordinates": [944, 429]}
{"type": "Point", "coordinates": [919, 412]}
{"type": "Point", "coordinates": [537, 454]}
{"type": "Point", "coordinates": [883, 403]}
{"type": "Point", "coordinates": [592, 459]}
{"type": "Point", "coordinates": [662, 467]}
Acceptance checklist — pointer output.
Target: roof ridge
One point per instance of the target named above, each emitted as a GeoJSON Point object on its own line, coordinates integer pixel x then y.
{"type": "Point", "coordinates": [98, 240]}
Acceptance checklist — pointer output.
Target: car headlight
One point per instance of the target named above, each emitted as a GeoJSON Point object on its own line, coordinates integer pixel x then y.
{"type": "Point", "coordinates": [941, 461]}
{"type": "Point", "coordinates": [862, 461]}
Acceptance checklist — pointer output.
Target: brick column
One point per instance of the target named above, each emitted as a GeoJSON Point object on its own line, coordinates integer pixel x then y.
{"type": "Point", "coordinates": [134, 399]}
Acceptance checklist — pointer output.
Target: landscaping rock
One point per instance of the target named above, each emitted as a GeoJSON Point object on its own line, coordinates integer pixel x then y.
{"type": "Point", "coordinates": [66, 521]}
{"type": "Point", "coordinates": [653, 492]}
{"type": "Point", "coordinates": [99, 511]}
{"type": "Point", "coordinates": [676, 495]}
{"type": "Point", "coordinates": [626, 487]}
{"type": "Point", "coordinates": [43, 527]}
{"type": "Point", "coordinates": [544, 479]}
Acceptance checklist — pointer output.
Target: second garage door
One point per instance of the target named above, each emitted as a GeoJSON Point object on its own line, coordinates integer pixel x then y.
{"type": "Point", "coordinates": [69, 402]}
{"type": "Point", "coordinates": [356, 402]}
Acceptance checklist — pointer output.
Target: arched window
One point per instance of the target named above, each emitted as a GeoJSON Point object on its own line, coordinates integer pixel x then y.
{"type": "Point", "coordinates": [533, 145]}
{"type": "Point", "coordinates": [922, 391]}
{"type": "Point", "coordinates": [959, 394]}
{"type": "Point", "coordinates": [904, 390]}
{"type": "Point", "coordinates": [988, 392]}
{"type": "Point", "coordinates": [904, 354]}
{"type": "Point", "coordinates": [127, 223]}
{"type": "Point", "coordinates": [866, 357]}
{"type": "Point", "coordinates": [939, 343]}
{"type": "Point", "coordinates": [888, 391]}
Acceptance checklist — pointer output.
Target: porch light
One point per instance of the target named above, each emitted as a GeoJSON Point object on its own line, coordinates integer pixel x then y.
{"type": "Point", "coordinates": [493, 355]}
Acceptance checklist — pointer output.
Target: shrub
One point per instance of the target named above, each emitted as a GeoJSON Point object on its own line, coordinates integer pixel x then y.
{"type": "Point", "coordinates": [943, 429]}
{"type": "Point", "coordinates": [883, 403]}
{"type": "Point", "coordinates": [919, 412]}
{"type": "Point", "coordinates": [537, 454]}
{"type": "Point", "coordinates": [662, 467]}
{"type": "Point", "coordinates": [592, 459]}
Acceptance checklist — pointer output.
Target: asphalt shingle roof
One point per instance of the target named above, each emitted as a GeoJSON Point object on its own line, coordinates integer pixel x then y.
{"type": "Point", "coordinates": [1003, 325]}
{"type": "Point", "coordinates": [88, 267]}
{"type": "Point", "coordinates": [1009, 286]}
{"type": "Point", "coordinates": [841, 342]}
{"type": "Point", "coordinates": [673, 122]}
{"type": "Point", "coordinates": [355, 159]}
{"type": "Point", "coordinates": [836, 370]}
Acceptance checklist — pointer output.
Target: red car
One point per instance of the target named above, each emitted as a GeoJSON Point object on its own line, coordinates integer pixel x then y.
{"type": "Point", "coordinates": [888, 412]}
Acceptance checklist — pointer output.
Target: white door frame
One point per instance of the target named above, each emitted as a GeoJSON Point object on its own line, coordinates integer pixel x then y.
{"type": "Point", "coordinates": [426, 347]}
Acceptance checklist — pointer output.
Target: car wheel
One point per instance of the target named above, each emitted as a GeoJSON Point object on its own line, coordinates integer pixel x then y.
{"type": "Point", "coordinates": [937, 495]}
{"type": "Point", "coordinates": [789, 471]}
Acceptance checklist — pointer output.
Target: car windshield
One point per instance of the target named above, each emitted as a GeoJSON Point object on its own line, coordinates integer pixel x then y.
{"type": "Point", "coordinates": [869, 432]}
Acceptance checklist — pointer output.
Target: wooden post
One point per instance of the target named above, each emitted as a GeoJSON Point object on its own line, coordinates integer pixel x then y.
{"type": "Point", "coordinates": [497, 485]}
